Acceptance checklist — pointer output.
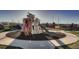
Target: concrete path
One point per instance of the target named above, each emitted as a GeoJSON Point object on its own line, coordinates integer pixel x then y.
{"type": "Point", "coordinates": [70, 38]}
{"type": "Point", "coordinates": [5, 40]}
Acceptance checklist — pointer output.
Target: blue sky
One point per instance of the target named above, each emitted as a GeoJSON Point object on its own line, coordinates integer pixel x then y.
{"type": "Point", "coordinates": [64, 16]}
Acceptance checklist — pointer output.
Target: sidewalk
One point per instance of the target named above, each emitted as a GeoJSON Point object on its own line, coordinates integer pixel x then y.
{"type": "Point", "coordinates": [5, 40]}
{"type": "Point", "coordinates": [70, 38]}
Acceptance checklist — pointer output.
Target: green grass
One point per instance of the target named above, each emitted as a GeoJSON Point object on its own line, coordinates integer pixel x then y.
{"type": "Point", "coordinates": [75, 32]}
{"type": "Point", "coordinates": [3, 46]}
{"type": "Point", "coordinates": [5, 29]}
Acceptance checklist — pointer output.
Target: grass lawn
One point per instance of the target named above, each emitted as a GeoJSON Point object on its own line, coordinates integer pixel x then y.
{"type": "Point", "coordinates": [3, 46]}
{"type": "Point", "coordinates": [76, 44]}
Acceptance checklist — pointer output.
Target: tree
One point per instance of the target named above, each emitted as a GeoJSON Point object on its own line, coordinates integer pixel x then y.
{"type": "Point", "coordinates": [54, 25]}
{"type": "Point", "coordinates": [72, 26]}
{"type": "Point", "coordinates": [47, 25]}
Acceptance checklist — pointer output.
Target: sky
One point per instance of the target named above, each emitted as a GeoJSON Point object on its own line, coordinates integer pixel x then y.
{"type": "Point", "coordinates": [45, 16]}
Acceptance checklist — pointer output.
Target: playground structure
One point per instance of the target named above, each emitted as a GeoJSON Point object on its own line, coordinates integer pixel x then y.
{"type": "Point", "coordinates": [35, 23]}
